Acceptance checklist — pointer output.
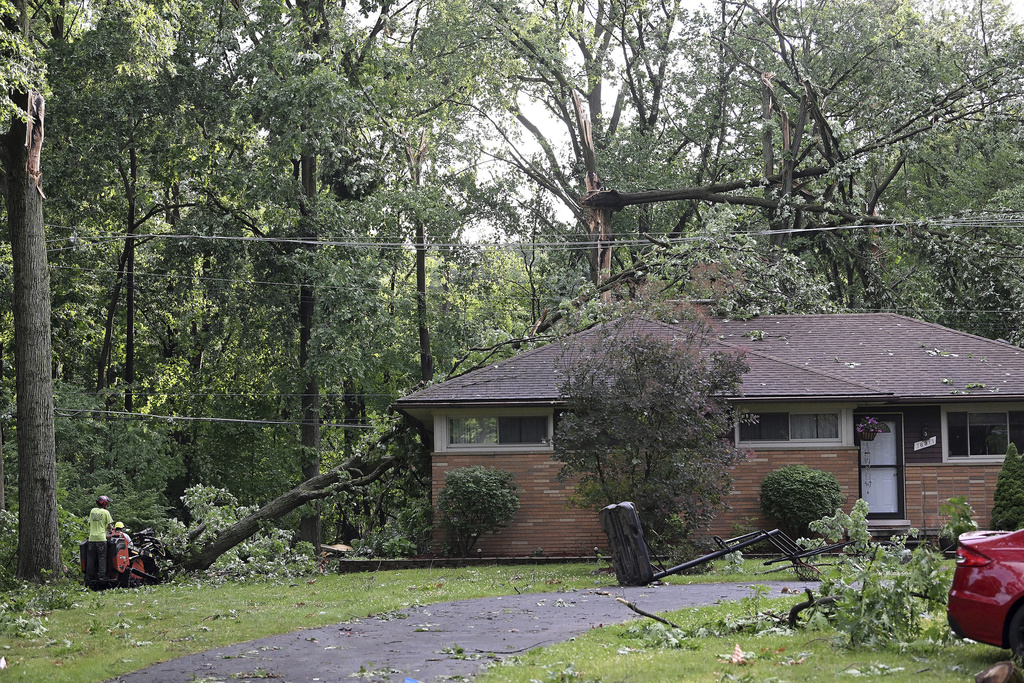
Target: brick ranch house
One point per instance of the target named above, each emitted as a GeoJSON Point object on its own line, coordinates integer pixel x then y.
{"type": "Point", "coordinates": [948, 403]}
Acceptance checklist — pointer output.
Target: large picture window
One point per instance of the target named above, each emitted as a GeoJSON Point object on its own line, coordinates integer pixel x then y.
{"type": "Point", "coordinates": [468, 431]}
{"type": "Point", "coordinates": [791, 427]}
{"type": "Point", "coordinates": [983, 433]}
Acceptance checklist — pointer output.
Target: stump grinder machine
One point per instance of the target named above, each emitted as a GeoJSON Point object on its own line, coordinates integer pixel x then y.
{"type": "Point", "coordinates": [128, 565]}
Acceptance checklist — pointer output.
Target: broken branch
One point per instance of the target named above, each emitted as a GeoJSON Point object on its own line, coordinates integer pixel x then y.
{"type": "Point", "coordinates": [810, 602]}
{"type": "Point", "coordinates": [642, 613]}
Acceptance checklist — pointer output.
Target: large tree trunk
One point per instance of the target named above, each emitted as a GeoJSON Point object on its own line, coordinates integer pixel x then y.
{"type": "Point", "coordinates": [38, 540]}
{"type": "Point", "coordinates": [315, 35]}
{"type": "Point", "coordinates": [417, 156]}
{"type": "Point", "coordinates": [129, 247]}
{"type": "Point", "coordinates": [599, 219]}
{"type": "Point", "coordinates": [3, 500]}
{"type": "Point", "coordinates": [108, 333]}
{"type": "Point", "coordinates": [426, 357]}
{"type": "Point", "coordinates": [309, 526]}
{"type": "Point", "coordinates": [344, 477]}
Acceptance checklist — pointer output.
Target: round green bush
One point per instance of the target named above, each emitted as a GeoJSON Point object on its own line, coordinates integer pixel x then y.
{"type": "Point", "coordinates": [797, 495]}
{"type": "Point", "coordinates": [474, 501]}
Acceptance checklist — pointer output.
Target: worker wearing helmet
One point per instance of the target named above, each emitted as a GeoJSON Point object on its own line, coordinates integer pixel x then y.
{"type": "Point", "coordinates": [119, 529]}
{"type": "Point", "coordinates": [100, 522]}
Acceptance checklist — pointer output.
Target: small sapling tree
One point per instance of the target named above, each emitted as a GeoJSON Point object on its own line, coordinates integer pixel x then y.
{"type": "Point", "coordinates": [476, 500]}
{"type": "Point", "coordinates": [961, 520]}
{"type": "Point", "coordinates": [648, 422]}
{"type": "Point", "coordinates": [1008, 498]}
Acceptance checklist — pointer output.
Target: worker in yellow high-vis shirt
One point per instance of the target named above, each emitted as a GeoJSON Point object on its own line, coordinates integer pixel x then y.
{"type": "Point", "coordinates": [100, 522]}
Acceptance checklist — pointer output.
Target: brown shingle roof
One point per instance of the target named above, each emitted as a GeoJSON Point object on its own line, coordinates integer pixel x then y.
{"type": "Point", "coordinates": [866, 357]}
{"type": "Point", "coordinates": [888, 353]}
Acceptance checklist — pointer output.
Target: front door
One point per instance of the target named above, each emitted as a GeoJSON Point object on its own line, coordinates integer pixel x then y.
{"type": "Point", "coordinates": [881, 472]}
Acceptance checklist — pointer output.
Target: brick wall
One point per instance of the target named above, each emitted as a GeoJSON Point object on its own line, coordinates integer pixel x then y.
{"type": "Point", "coordinates": [543, 521]}
{"type": "Point", "coordinates": [928, 486]}
{"type": "Point", "coordinates": [745, 499]}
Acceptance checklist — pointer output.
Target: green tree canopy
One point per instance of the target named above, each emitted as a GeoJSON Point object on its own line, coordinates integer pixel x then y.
{"type": "Point", "coordinates": [647, 421]}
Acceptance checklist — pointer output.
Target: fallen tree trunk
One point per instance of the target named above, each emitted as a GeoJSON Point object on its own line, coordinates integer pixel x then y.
{"type": "Point", "coordinates": [345, 477]}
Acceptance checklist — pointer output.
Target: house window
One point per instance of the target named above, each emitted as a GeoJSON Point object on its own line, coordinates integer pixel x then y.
{"type": "Point", "coordinates": [477, 431]}
{"type": "Point", "coordinates": [980, 434]}
{"type": "Point", "coordinates": [791, 427]}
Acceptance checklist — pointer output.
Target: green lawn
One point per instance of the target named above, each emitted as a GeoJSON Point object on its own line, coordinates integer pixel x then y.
{"type": "Point", "coordinates": [113, 632]}
{"type": "Point", "coordinates": [104, 634]}
{"type": "Point", "coordinates": [622, 652]}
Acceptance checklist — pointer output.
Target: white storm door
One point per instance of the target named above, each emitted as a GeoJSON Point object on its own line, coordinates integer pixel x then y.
{"type": "Point", "coordinates": [880, 480]}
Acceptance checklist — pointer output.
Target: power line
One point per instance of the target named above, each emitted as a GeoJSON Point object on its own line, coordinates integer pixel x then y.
{"type": "Point", "coordinates": [405, 245]}
{"type": "Point", "coordinates": [71, 412]}
{"type": "Point", "coordinates": [227, 395]}
{"type": "Point", "coordinates": [192, 278]}
{"type": "Point", "coordinates": [382, 292]}
{"type": "Point", "coordinates": [1009, 221]}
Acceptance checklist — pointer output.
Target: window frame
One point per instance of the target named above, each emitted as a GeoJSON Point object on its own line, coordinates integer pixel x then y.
{"type": "Point", "coordinates": [442, 434]}
{"type": "Point", "coordinates": [844, 438]}
{"type": "Point", "coordinates": [976, 408]}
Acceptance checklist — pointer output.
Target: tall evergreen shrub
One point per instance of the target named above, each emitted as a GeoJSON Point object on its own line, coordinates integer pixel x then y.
{"type": "Point", "coordinates": [1008, 499]}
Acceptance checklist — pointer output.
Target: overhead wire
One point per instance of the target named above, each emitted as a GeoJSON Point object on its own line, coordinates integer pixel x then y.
{"type": "Point", "coordinates": [240, 394]}
{"type": "Point", "coordinates": [1006, 221]}
{"type": "Point", "coordinates": [1010, 220]}
{"type": "Point", "coordinates": [75, 412]}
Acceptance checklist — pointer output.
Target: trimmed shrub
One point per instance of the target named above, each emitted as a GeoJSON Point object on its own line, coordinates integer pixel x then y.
{"type": "Point", "coordinates": [474, 501]}
{"type": "Point", "coordinates": [797, 495]}
{"type": "Point", "coordinates": [1008, 498]}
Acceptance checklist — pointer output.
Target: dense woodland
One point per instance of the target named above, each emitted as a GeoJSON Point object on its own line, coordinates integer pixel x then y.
{"type": "Point", "coordinates": [265, 220]}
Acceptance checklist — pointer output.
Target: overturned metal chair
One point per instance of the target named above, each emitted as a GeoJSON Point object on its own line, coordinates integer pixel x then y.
{"type": "Point", "coordinates": [631, 557]}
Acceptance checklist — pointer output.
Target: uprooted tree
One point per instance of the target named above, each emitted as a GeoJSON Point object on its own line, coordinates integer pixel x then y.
{"type": "Point", "coordinates": [646, 414]}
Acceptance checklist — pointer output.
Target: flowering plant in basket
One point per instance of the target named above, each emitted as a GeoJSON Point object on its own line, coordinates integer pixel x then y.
{"type": "Point", "coordinates": [868, 427]}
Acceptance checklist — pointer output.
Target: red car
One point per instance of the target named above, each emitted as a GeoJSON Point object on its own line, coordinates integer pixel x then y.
{"type": "Point", "coordinates": [986, 601]}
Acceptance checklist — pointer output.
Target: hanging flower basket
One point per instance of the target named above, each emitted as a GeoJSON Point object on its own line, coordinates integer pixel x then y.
{"type": "Point", "coordinates": [868, 428]}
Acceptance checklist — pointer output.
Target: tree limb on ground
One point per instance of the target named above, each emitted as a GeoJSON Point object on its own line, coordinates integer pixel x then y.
{"type": "Point", "coordinates": [810, 602]}
{"type": "Point", "coordinates": [345, 477]}
{"type": "Point", "coordinates": [642, 613]}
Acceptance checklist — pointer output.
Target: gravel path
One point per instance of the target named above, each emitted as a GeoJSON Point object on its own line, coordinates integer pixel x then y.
{"type": "Point", "coordinates": [419, 646]}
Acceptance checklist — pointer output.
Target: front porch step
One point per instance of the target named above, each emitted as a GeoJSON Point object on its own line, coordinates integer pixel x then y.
{"type": "Point", "coordinates": [887, 528]}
